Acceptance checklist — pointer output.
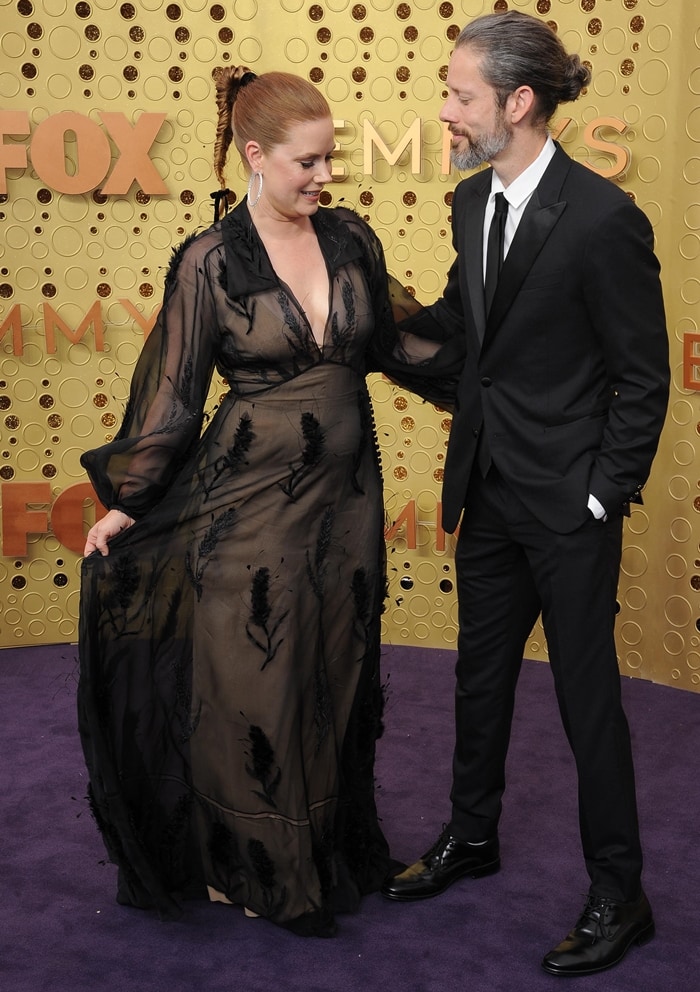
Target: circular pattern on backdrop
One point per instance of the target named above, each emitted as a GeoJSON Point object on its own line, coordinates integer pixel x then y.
{"type": "Point", "coordinates": [381, 61]}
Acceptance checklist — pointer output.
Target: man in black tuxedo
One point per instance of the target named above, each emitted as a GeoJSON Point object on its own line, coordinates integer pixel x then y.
{"type": "Point", "coordinates": [559, 408]}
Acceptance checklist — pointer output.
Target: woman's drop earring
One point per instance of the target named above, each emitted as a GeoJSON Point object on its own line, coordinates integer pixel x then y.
{"type": "Point", "coordinates": [253, 176]}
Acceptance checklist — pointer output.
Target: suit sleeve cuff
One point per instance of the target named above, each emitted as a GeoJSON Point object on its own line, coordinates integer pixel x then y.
{"type": "Point", "coordinates": [596, 508]}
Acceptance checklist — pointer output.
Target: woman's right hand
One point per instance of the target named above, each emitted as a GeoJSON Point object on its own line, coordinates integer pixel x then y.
{"type": "Point", "coordinates": [104, 529]}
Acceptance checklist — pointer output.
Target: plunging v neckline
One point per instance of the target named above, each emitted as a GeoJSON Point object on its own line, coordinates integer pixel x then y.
{"type": "Point", "coordinates": [320, 345]}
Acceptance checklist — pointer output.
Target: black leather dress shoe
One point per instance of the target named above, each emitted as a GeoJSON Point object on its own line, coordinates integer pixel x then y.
{"type": "Point", "coordinates": [447, 860]}
{"type": "Point", "coordinates": [602, 936]}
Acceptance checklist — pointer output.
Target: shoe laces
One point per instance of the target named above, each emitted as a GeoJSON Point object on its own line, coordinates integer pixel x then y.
{"type": "Point", "coordinates": [437, 846]}
{"type": "Point", "coordinates": [595, 912]}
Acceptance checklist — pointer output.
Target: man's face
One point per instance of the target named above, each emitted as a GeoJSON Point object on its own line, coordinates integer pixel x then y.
{"type": "Point", "coordinates": [480, 131]}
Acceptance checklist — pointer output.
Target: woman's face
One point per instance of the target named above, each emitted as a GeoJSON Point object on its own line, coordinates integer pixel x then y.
{"type": "Point", "coordinates": [294, 173]}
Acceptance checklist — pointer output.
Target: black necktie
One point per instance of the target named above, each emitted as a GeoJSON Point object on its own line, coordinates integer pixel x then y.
{"type": "Point", "coordinates": [494, 248]}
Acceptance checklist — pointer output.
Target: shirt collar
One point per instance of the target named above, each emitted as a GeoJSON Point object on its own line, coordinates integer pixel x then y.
{"type": "Point", "coordinates": [526, 183]}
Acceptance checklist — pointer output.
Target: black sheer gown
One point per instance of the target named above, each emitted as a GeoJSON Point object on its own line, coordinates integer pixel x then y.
{"type": "Point", "coordinates": [230, 696]}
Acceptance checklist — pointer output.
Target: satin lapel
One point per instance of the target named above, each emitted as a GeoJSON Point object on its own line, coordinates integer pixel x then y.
{"type": "Point", "coordinates": [471, 248]}
{"type": "Point", "coordinates": [537, 223]}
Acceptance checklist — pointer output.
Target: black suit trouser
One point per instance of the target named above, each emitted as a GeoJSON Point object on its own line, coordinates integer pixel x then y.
{"type": "Point", "coordinates": [510, 567]}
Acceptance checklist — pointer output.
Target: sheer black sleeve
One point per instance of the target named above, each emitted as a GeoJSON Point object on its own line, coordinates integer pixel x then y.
{"type": "Point", "coordinates": [164, 413]}
{"type": "Point", "coordinates": [410, 346]}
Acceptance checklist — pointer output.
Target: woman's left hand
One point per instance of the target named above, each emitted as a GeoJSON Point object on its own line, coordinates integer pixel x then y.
{"type": "Point", "coordinates": [113, 523]}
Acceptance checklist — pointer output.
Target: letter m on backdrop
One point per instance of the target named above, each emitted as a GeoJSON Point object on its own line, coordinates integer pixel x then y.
{"type": "Point", "coordinates": [53, 321]}
{"type": "Point", "coordinates": [372, 139]}
{"type": "Point", "coordinates": [13, 322]}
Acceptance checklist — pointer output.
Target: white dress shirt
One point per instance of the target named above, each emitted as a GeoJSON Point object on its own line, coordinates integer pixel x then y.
{"type": "Point", "coordinates": [517, 194]}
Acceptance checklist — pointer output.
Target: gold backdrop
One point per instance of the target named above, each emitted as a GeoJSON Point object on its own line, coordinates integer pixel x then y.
{"type": "Point", "coordinates": [107, 121]}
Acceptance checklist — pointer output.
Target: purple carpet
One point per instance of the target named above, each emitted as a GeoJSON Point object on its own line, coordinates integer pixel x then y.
{"type": "Point", "coordinates": [61, 930]}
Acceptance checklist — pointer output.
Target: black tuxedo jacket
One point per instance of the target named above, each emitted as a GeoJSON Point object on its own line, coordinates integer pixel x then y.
{"type": "Point", "coordinates": [568, 377]}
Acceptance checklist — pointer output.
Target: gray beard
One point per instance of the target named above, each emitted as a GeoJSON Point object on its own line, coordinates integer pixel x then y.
{"type": "Point", "coordinates": [480, 150]}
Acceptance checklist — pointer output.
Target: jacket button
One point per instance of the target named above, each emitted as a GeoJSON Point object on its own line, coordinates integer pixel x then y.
{"type": "Point", "coordinates": [486, 382]}
{"type": "Point", "coordinates": [475, 431]}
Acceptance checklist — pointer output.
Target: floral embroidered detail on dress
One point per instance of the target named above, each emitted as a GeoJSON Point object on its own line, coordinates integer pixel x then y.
{"type": "Point", "coordinates": [175, 259]}
{"type": "Point", "coordinates": [234, 459]}
{"type": "Point", "coordinates": [314, 449]}
{"type": "Point", "coordinates": [342, 334]}
{"type": "Point", "coordinates": [361, 598]}
{"type": "Point", "coordinates": [260, 612]}
{"type": "Point", "coordinates": [323, 853]}
{"type": "Point", "coordinates": [181, 675]}
{"type": "Point", "coordinates": [297, 338]}
{"type": "Point", "coordinates": [323, 714]}
{"type": "Point", "coordinates": [195, 566]}
{"type": "Point", "coordinates": [263, 767]}
{"type": "Point", "coordinates": [126, 578]}
{"type": "Point", "coordinates": [226, 857]}
{"type": "Point", "coordinates": [316, 571]}
{"type": "Point", "coordinates": [263, 864]}
{"type": "Point", "coordinates": [173, 840]}
{"type": "Point", "coordinates": [265, 872]}
{"type": "Point", "coordinates": [245, 307]}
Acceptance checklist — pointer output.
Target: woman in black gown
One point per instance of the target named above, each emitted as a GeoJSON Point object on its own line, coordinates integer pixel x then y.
{"type": "Point", "coordinates": [230, 696]}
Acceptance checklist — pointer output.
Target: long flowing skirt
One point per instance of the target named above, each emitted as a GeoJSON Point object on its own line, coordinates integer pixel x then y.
{"type": "Point", "coordinates": [230, 694]}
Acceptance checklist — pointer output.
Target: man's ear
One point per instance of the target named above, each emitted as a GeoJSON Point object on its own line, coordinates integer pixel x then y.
{"type": "Point", "coordinates": [520, 103]}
